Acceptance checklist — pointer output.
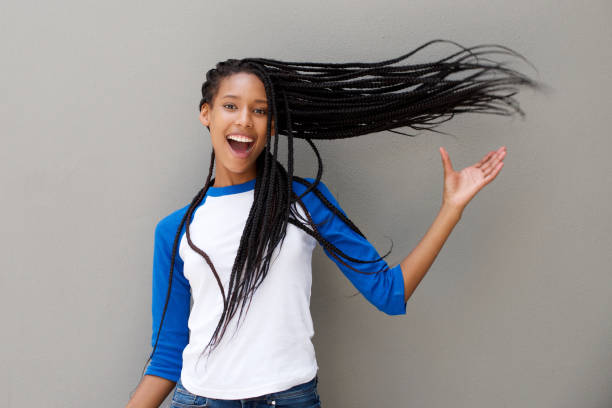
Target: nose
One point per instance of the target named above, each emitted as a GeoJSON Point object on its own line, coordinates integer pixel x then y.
{"type": "Point", "coordinates": [244, 118]}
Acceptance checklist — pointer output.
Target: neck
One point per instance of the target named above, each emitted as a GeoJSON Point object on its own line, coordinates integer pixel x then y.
{"type": "Point", "coordinates": [225, 178]}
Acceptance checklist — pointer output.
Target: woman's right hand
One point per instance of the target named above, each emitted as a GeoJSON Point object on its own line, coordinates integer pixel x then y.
{"type": "Point", "coordinates": [151, 392]}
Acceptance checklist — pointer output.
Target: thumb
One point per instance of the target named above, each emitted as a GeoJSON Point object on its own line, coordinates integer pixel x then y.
{"type": "Point", "coordinates": [446, 162]}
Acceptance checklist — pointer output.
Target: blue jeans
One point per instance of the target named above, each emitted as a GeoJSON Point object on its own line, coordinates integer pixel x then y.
{"type": "Point", "coordinates": [300, 396]}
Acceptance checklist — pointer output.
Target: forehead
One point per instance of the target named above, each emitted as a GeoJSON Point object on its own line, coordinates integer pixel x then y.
{"type": "Point", "coordinates": [244, 86]}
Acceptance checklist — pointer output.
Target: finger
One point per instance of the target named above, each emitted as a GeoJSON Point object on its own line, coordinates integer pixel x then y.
{"type": "Point", "coordinates": [484, 159]}
{"type": "Point", "coordinates": [492, 163]}
{"type": "Point", "coordinates": [489, 156]}
{"type": "Point", "coordinates": [493, 172]}
{"type": "Point", "coordinates": [446, 161]}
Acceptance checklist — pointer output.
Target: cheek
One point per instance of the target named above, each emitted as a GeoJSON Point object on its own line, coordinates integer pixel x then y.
{"type": "Point", "coordinates": [261, 146]}
{"type": "Point", "coordinates": [262, 137]}
{"type": "Point", "coordinates": [218, 142]}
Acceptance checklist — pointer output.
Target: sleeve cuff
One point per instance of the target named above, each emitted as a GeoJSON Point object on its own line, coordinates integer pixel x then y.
{"type": "Point", "coordinates": [171, 375]}
{"type": "Point", "coordinates": [397, 305]}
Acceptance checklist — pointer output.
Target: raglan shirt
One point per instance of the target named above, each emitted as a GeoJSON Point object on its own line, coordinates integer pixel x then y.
{"type": "Point", "coordinates": [271, 348]}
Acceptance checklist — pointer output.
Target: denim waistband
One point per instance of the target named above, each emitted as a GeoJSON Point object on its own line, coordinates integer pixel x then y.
{"type": "Point", "coordinates": [295, 390]}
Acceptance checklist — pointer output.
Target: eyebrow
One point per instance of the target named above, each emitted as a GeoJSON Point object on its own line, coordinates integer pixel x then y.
{"type": "Point", "coordinates": [235, 97]}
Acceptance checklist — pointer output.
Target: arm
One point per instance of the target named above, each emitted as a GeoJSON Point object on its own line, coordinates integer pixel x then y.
{"type": "Point", "coordinates": [459, 189]}
{"type": "Point", "coordinates": [417, 263]}
{"type": "Point", "coordinates": [151, 392]}
{"type": "Point", "coordinates": [166, 362]}
{"type": "Point", "coordinates": [380, 285]}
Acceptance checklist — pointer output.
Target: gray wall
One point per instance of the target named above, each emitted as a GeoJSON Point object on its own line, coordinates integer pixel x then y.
{"type": "Point", "coordinates": [100, 139]}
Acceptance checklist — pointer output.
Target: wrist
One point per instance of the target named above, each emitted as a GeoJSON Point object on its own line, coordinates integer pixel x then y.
{"type": "Point", "coordinates": [452, 209]}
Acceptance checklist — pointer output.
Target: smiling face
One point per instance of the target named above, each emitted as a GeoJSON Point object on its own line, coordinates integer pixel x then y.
{"type": "Point", "coordinates": [237, 122]}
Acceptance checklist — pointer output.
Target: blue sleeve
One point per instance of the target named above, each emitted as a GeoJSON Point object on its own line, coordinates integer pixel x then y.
{"type": "Point", "coordinates": [167, 359]}
{"type": "Point", "coordinates": [385, 290]}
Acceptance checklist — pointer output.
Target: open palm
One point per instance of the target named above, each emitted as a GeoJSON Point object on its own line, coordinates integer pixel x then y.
{"type": "Point", "coordinates": [461, 186]}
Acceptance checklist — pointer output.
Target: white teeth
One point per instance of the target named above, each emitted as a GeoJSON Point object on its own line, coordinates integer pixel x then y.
{"type": "Point", "coordinates": [240, 138]}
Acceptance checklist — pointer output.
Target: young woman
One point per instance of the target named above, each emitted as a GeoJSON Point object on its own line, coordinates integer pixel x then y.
{"type": "Point", "coordinates": [243, 247]}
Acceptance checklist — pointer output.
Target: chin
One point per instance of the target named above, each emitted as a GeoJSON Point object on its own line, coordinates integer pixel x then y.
{"type": "Point", "coordinates": [239, 169]}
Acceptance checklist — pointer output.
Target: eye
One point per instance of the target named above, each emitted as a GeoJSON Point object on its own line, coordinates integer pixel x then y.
{"type": "Point", "coordinates": [231, 105]}
{"type": "Point", "coordinates": [261, 111]}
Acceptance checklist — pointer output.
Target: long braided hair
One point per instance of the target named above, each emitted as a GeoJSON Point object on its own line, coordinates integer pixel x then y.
{"type": "Point", "coordinates": [314, 101]}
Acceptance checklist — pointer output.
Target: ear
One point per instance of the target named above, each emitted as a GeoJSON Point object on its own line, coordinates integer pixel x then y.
{"type": "Point", "coordinates": [205, 115]}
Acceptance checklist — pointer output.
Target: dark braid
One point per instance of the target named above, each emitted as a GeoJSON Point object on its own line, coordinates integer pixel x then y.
{"type": "Point", "coordinates": [325, 101]}
{"type": "Point", "coordinates": [313, 101]}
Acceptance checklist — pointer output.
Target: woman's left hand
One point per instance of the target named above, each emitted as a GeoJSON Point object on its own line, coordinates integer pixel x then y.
{"type": "Point", "coordinates": [461, 186]}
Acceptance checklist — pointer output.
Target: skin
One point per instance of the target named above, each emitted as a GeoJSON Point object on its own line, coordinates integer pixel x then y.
{"type": "Point", "coordinates": [459, 189]}
{"type": "Point", "coordinates": [151, 392]}
{"type": "Point", "coordinates": [245, 114]}
{"type": "Point", "coordinates": [239, 107]}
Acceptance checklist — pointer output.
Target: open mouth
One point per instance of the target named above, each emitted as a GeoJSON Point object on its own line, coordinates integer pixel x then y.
{"type": "Point", "coordinates": [240, 145]}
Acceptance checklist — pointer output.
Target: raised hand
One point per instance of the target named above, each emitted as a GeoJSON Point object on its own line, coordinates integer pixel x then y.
{"type": "Point", "coordinates": [461, 186]}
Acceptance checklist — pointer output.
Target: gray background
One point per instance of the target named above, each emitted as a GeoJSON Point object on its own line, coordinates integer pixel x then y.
{"type": "Point", "coordinates": [100, 140]}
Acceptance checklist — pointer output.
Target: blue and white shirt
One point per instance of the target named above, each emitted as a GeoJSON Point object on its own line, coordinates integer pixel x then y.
{"type": "Point", "coordinates": [272, 348]}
